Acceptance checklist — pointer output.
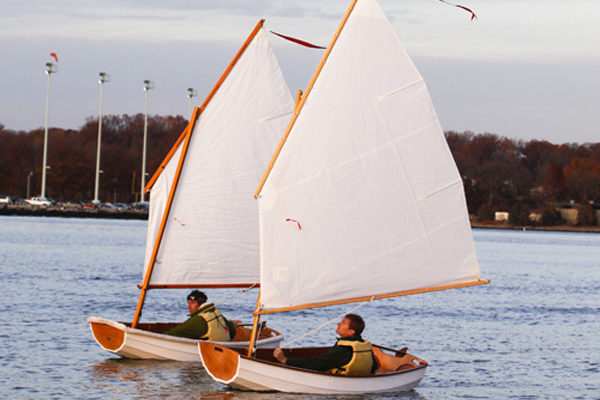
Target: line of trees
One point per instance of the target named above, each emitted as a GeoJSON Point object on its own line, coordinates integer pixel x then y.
{"type": "Point", "coordinates": [72, 157]}
{"type": "Point", "coordinates": [498, 173]}
{"type": "Point", "coordinates": [523, 177]}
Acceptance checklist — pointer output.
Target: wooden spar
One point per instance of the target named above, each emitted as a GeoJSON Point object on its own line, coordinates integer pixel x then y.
{"type": "Point", "coordinates": [202, 285]}
{"type": "Point", "coordinates": [299, 106]}
{"type": "Point", "coordinates": [369, 298]}
{"type": "Point", "coordinates": [188, 135]}
{"type": "Point", "coordinates": [163, 165]}
{"type": "Point", "coordinates": [298, 98]}
{"type": "Point", "coordinates": [163, 223]}
{"type": "Point", "coordinates": [254, 326]}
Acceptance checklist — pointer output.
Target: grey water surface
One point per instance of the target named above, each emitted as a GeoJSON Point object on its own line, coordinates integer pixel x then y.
{"type": "Point", "coordinates": [533, 333]}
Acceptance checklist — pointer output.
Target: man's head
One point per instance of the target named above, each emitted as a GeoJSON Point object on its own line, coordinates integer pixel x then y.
{"type": "Point", "coordinates": [351, 325]}
{"type": "Point", "coordinates": [195, 299]}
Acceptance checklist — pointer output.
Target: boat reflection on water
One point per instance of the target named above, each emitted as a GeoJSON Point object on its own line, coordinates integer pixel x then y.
{"type": "Point", "coordinates": [154, 379]}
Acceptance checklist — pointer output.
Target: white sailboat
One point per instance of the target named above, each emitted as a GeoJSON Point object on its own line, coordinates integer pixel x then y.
{"type": "Point", "coordinates": [203, 225]}
{"type": "Point", "coordinates": [362, 200]}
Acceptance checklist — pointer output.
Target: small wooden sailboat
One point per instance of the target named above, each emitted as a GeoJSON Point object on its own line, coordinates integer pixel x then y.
{"type": "Point", "coordinates": [203, 226]}
{"type": "Point", "coordinates": [362, 200]}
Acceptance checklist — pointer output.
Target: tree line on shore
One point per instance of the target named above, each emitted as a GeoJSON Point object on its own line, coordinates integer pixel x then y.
{"type": "Point", "coordinates": [521, 177]}
{"type": "Point", "coordinates": [525, 177]}
{"type": "Point", "coordinates": [72, 158]}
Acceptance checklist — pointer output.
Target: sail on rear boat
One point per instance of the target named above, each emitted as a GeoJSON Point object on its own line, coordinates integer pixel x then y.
{"type": "Point", "coordinates": [203, 225]}
{"type": "Point", "coordinates": [362, 200]}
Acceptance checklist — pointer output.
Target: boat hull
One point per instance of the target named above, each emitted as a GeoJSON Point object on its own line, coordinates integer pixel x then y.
{"type": "Point", "coordinates": [231, 368]}
{"type": "Point", "coordinates": [127, 342]}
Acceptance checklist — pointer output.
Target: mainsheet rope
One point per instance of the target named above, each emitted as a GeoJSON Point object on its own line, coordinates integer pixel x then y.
{"type": "Point", "coordinates": [287, 345]}
{"type": "Point", "coordinates": [238, 293]}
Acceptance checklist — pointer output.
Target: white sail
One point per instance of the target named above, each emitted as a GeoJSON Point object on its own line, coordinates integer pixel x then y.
{"type": "Point", "coordinates": [364, 198]}
{"type": "Point", "coordinates": [211, 235]}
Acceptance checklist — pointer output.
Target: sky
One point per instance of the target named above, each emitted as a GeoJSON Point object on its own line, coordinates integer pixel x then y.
{"type": "Point", "coordinates": [525, 69]}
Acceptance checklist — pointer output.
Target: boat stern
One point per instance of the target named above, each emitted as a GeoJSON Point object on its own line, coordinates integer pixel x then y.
{"type": "Point", "coordinates": [221, 363]}
{"type": "Point", "coordinates": [109, 336]}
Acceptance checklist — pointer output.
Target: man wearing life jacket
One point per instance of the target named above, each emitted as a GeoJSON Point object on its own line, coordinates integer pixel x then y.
{"type": "Point", "coordinates": [205, 321]}
{"type": "Point", "coordinates": [351, 354]}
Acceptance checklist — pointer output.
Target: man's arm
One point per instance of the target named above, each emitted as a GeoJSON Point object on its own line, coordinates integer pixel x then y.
{"type": "Point", "coordinates": [193, 328]}
{"type": "Point", "coordinates": [230, 327]}
{"type": "Point", "coordinates": [335, 357]}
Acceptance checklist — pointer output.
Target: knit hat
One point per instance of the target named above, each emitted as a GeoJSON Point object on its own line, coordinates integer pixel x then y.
{"type": "Point", "coordinates": [197, 295]}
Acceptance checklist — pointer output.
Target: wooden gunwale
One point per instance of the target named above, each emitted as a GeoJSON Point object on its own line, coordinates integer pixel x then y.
{"type": "Point", "coordinates": [369, 298]}
{"type": "Point", "coordinates": [188, 135]}
{"type": "Point", "coordinates": [303, 98]}
{"type": "Point", "coordinates": [326, 373]}
{"type": "Point", "coordinates": [306, 352]}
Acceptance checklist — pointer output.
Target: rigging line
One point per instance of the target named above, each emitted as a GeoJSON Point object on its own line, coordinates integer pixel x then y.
{"type": "Point", "coordinates": [287, 345]}
{"type": "Point", "coordinates": [238, 293]}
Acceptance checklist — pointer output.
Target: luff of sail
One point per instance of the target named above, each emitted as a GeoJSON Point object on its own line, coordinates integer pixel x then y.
{"type": "Point", "coordinates": [211, 234]}
{"type": "Point", "coordinates": [367, 173]}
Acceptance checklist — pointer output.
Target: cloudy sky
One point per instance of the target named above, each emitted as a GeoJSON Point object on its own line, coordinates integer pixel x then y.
{"type": "Point", "coordinates": [526, 69]}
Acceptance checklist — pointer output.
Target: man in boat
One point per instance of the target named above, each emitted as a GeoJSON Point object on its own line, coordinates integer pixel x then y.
{"type": "Point", "coordinates": [351, 354]}
{"type": "Point", "coordinates": [205, 321]}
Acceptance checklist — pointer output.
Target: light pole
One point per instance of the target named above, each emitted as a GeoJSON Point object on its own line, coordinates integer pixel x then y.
{"type": "Point", "coordinates": [50, 69]}
{"type": "Point", "coordinates": [191, 92]}
{"type": "Point", "coordinates": [102, 77]}
{"type": "Point", "coordinates": [29, 182]}
{"type": "Point", "coordinates": [147, 86]}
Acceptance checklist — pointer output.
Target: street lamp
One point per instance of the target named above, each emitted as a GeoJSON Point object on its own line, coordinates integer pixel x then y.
{"type": "Point", "coordinates": [102, 77]}
{"type": "Point", "coordinates": [50, 69]}
{"type": "Point", "coordinates": [147, 86]}
{"type": "Point", "coordinates": [191, 92]}
{"type": "Point", "coordinates": [29, 182]}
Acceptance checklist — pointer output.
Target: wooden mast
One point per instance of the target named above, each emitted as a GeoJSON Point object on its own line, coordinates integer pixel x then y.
{"type": "Point", "coordinates": [163, 222]}
{"type": "Point", "coordinates": [188, 135]}
{"type": "Point", "coordinates": [300, 100]}
{"type": "Point", "coordinates": [254, 333]}
{"type": "Point", "coordinates": [303, 98]}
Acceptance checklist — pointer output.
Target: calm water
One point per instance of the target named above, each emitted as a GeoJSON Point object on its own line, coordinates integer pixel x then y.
{"type": "Point", "coordinates": [532, 334]}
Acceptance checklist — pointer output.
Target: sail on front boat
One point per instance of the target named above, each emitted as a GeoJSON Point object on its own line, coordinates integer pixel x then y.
{"type": "Point", "coordinates": [203, 225]}
{"type": "Point", "coordinates": [362, 200]}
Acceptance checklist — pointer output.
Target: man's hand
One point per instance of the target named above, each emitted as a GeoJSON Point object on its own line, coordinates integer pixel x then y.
{"type": "Point", "coordinates": [278, 354]}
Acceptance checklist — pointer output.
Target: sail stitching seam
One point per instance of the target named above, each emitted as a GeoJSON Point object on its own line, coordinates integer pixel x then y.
{"type": "Point", "coordinates": [400, 89]}
{"type": "Point", "coordinates": [275, 117]}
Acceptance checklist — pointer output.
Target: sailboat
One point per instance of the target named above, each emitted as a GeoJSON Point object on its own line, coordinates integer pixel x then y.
{"type": "Point", "coordinates": [362, 200]}
{"type": "Point", "coordinates": [203, 225]}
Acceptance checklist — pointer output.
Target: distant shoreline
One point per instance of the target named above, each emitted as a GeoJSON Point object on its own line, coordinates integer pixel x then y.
{"type": "Point", "coordinates": [552, 228]}
{"type": "Point", "coordinates": [33, 211]}
{"type": "Point", "coordinates": [21, 210]}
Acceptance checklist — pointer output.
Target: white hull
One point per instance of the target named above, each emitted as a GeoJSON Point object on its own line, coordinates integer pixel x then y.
{"type": "Point", "coordinates": [139, 344]}
{"type": "Point", "coordinates": [240, 372]}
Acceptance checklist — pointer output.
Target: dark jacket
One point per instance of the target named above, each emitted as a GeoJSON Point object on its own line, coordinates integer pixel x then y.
{"type": "Point", "coordinates": [195, 326]}
{"type": "Point", "coordinates": [335, 357]}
